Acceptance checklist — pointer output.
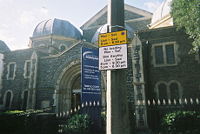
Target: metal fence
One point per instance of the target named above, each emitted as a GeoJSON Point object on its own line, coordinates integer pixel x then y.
{"type": "Point", "coordinates": [158, 108]}
{"type": "Point", "coordinates": [155, 108]}
{"type": "Point", "coordinates": [89, 108]}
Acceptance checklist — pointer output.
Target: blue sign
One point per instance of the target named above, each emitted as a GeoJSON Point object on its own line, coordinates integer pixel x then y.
{"type": "Point", "coordinates": [90, 76]}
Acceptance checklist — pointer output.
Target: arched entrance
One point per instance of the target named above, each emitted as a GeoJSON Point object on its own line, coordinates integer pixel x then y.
{"type": "Point", "coordinates": [76, 92]}
{"type": "Point", "coordinates": [68, 88]}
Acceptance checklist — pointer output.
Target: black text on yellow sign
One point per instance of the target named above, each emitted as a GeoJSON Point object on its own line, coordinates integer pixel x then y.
{"type": "Point", "coordinates": [113, 38]}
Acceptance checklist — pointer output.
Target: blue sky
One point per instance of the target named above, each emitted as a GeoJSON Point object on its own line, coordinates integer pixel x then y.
{"type": "Point", "coordinates": [18, 18]}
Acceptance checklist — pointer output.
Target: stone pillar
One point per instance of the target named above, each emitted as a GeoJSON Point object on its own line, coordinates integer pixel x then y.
{"type": "Point", "coordinates": [32, 82]}
{"type": "Point", "coordinates": [139, 85]}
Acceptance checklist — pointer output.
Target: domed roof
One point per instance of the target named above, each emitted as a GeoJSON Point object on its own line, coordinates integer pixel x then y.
{"type": "Point", "coordinates": [103, 29]}
{"type": "Point", "coordinates": [56, 27]}
{"type": "Point", "coordinates": [162, 11]}
{"type": "Point", "coordinates": [3, 47]}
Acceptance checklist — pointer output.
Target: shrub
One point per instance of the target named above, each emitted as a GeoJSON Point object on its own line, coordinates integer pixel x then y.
{"type": "Point", "coordinates": [181, 121]}
{"type": "Point", "coordinates": [78, 123]}
{"type": "Point", "coordinates": [29, 122]}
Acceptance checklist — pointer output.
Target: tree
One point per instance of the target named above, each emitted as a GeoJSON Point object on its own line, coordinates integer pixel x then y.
{"type": "Point", "coordinates": [186, 14]}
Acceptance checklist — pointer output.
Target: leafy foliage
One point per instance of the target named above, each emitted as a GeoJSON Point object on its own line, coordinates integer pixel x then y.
{"type": "Point", "coordinates": [181, 121]}
{"type": "Point", "coordinates": [78, 123]}
{"type": "Point", "coordinates": [186, 14]}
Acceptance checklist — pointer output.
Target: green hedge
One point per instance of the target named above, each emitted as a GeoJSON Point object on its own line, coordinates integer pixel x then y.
{"type": "Point", "coordinates": [186, 122]}
{"type": "Point", "coordinates": [32, 122]}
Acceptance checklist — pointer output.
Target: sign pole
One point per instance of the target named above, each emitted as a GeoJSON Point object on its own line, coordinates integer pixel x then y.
{"type": "Point", "coordinates": [117, 107]}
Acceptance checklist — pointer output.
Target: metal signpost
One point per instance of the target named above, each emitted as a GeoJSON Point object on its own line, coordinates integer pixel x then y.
{"type": "Point", "coordinates": [113, 58]}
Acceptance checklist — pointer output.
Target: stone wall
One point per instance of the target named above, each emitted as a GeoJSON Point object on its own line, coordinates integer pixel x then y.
{"type": "Point", "coordinates": [186, 72]}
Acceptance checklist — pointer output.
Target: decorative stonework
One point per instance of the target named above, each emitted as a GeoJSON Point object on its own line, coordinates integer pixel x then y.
{"type": "Point", "coordinates": [32, 81]}
{"type": "Point", "coordinates": [62, 94]}
{"type": "Point", "coordinates": [139, 84]}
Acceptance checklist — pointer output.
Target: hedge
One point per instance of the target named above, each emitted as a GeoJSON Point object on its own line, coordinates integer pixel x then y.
{"type": "Point", "coordinates": [32, 122]}
{"type": "Point", "coordinates": [185, 122]}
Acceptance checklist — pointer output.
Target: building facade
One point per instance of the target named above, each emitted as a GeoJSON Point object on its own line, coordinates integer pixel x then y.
{"type": "Point", "coordinates": [48, 74]}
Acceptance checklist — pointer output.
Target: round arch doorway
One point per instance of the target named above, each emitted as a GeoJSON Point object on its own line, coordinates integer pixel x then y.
{"type": "Point", "coordinates": [68, 88]}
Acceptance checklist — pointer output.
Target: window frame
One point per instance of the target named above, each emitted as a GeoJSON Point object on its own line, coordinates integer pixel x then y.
{"type": "Point", "coordinates": [164, 44]}
{"type": "Point", "coordinates": [14, 71]}
{"type": "Point", "coordinates": [167, 84]}
{"type": "Point", "coordinates": [25, 69]}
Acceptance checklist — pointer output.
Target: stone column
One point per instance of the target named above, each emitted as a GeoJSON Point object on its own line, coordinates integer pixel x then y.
{"type": "Point", "coordinates": [139, 84]}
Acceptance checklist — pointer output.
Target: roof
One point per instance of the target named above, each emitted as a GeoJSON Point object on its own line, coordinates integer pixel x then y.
{"type": "Point", "coordinates": [57, 27]}
{"type": "Point", "coordinates": [162, 11]}
{"type": "Point", "coordinates": [131, 13]}
{"type": "Point", "coordinates": [3, 47]}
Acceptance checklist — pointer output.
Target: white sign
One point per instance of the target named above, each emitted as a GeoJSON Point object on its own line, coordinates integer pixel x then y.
{"type": "Point", "coordinates": [113, 57]}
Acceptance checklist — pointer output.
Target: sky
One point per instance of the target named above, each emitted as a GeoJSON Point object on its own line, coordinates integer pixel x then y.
{"type": "Point", "coordinates": [18, 18]}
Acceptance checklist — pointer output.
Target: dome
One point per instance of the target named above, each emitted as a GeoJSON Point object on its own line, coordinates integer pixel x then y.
{"type": "Point", "coordinates": [162, 11]}
{"type": "Point", "coordinates": [56, 27]}
{"type": "Point", "coordinates": [103, 29]}
{"type": "Point", "coordinates": [3, 47]}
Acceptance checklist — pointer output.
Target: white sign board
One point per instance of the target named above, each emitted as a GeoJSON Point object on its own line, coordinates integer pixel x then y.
{"type": "Point", "coordinates": [113, 57]}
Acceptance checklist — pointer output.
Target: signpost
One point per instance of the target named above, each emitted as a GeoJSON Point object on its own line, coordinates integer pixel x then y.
{"type": "Point", "coordinates": [117, 121]}
{"type": "Point", "coordinates": [113, 38]}
{"type": "Point", "coordinates": [113, 57]}
{"type": "Point", "coordinates": [113, 50]}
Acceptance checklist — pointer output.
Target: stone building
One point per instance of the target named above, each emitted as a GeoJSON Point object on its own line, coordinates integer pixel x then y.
{"type": "Point", "coordinates": [49, 72]}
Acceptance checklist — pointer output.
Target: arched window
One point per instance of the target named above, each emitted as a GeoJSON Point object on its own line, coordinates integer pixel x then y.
{"type": "Point", "coordinates": [171, 90]}
{"type": "Point", "coordinates": [24, 100]}
{"type": "Point", "coordinates": [27, 69]}
{"type": "Point", "coordinates": [174, 90]}
{"type": "Point", "coordinates": [8, 99]}
{"type": "Point", "coordinates": [76, 92]}
{"type": "Point", "coordinates": [162, 91]}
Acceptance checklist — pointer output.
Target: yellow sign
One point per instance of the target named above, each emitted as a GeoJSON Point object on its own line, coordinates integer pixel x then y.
{"type": "Point", "coordinates": [113, 38]}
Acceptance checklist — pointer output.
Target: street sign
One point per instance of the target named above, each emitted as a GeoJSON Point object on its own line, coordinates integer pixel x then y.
{"type": "Point", "coordinates": [113, 57]}
{"type": "Point", "coordinates": [113, 38]}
